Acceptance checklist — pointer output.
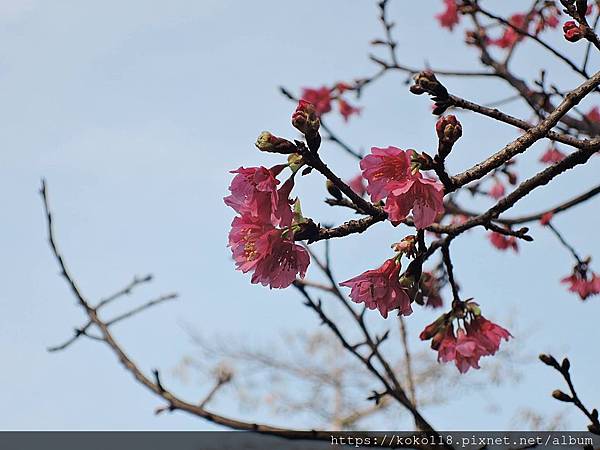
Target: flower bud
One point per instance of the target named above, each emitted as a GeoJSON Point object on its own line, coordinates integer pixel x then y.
{"type": "Point", "coordinates": [572, 31]}
{"type": "Point", "coordinates": [560, 395]}
{"type": "Point", "coordinates": [448, 129]}
{"type": "Point", "coordinates": [266, 142]}
{"type": "Point", "coordinates": [549, 360]}
{"type": "Point", "coordinates": [434, 328]}
{"type": "Point", "coordinates": [305, 118]}
{"type": "Point", "coordinates": [426, 82]}
{"type": "Point", "coordinates": [566, 365]}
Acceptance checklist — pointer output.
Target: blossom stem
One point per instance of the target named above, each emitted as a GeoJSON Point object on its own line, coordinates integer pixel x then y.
{"type": "Point", "coordinates": [563, 241]}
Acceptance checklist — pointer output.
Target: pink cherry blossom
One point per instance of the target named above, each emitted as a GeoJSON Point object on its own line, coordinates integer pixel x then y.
{"type": "Point", "coordinates": [447, 345]}
{"type": "Point", "coordinates": [510, 36]}
{"type": "Point", "coordinates": [421, 195]}
{"type": "Point", "coordinates": [468, 351]}
{"type": "Point", "coordinates": [382, 167]}
{"type": "Point", "coordinates": [497, 191]}
{"type": "Point", "coordinates": [584, 286]}
{"type": "Point", "coordinates": [254, 191]}
{"type": "Point", "coordinates": [449, 18]}
{"type": "Point", "coordinates": [552, 156]}
{"type": "Point", "coordinates": [319, 97]}
{"type": "Point", "coordinates": [480, 337]}
{"type": "Point", "coordinates": [380, 289]}
{"type": "Point", "coordinates": [281, 261]}
{"type": "Point", "coordinates": [503, 242]}
{"type": "Point", "coordinates": [245, 232]}
{"type": "Point", "coordinates": [487, 334]}
{"type": "Point", "coordinates": [270, 253]}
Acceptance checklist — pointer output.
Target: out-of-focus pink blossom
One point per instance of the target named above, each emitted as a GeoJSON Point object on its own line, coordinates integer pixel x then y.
{"type": "Point", "coordinates": [347, 110]}
{"type": "Point", "coordinates": [449, 18]}
{"type": "Point", "coordinates": [497, 191]}
{"type": "Point", "coordinates": [503, 242]}
{"type": "Point", "coordinates": [342, 87]}
{"type": "Point", "coordinates": [552, 156]}
{"type": "Point", "coordinates": [584, 286]}
{"type": "Point", "coordinates": [380, 289]}
{"type": "Point", "coordinates": [319, 97]}
{"type": "Point", "coordinates": [511, 36]}
{"type": "Point", "coordinates": [593, 114]}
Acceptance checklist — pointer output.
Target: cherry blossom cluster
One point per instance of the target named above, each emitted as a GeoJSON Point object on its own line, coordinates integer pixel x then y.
{"type": "Point", "coordinates": [262, 235]}
{"type": "Point", "coordinates": [543, 16]}
{"type": "Point", "coordinates": [474, 336]}
{"type": "Point", "coordinates": [395, 175]}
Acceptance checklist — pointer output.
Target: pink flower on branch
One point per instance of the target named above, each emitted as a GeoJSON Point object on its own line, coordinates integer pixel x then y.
{"type": "Point", "coordinates": [487, 334]}
{"type": "Point", "coordinates": [421, 195]}
{"type": "Point", "coordinates": [479, 337]}
{"type": "Point", "coordinates": [269, 252]}
{"type": "Point", "coordinates": [254, 192]}
{"type": "Point", "coordinates": [282, 260]}
{"type": "Point", "coordinates": [388, 173]}
{"type": "Point", "coordinates": [382, 167]}
{"type": "Point", "coordinates": [380, 289]}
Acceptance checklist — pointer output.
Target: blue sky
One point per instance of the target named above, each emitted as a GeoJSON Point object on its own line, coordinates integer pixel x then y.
{"type": "Point", "coordinates": [135, 111]}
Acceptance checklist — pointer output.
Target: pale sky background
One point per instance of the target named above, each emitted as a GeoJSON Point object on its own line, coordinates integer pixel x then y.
{"type": "Point", "coordinates": [135, 111]}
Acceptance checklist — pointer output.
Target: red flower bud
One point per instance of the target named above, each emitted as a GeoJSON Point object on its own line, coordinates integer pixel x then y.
{"type": "Point", "coordinates": [426, 81]}
{"type": "Point", "coordinates": [305, 118]}
{"type": "Point", "coordinates": [572, 31]}
{"type": "Point", "coordinates": [267, 142]}
{"type": "Point", "coordinates": [448, 129]}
